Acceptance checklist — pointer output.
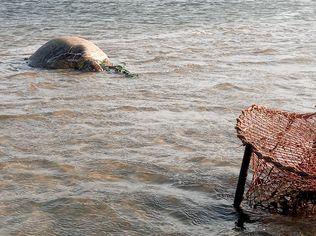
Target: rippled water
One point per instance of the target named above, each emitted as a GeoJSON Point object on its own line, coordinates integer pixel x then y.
{"type": "Point", "coordinates": [96, 154]}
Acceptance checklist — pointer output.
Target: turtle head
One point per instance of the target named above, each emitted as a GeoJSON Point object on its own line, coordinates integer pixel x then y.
{"type": "Point", "coordinates": [94, 66]}
{"type": "Point", "coordinates": [89, 65]}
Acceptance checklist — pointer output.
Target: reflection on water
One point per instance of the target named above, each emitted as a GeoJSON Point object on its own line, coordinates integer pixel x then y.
{"type": "Point", "coordinates": [95, 154]}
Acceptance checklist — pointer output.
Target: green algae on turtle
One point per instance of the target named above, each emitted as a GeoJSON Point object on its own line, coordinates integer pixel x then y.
{"type": "Point", "coordinates": [76, 53]}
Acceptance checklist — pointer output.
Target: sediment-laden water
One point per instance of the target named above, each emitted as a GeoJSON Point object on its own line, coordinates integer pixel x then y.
{"type": "Point", "coordinates": [100, 154]}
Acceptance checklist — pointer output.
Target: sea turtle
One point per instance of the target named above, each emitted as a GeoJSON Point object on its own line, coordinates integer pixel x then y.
{"type": "Point", "coordinates": [73, 52]}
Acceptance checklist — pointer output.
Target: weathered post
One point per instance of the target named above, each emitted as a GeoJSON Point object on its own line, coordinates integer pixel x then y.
{"type": "Point", "coordinates": [242, 176]}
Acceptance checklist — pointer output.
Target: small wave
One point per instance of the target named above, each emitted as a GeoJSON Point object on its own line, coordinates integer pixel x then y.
{"type": "Point", "coordinates": [22, 117]}
{"type": "Point", "coordinates": [135, 109]}
{"type": "Point", "coordinates": [22, 75]}
{"type": "Point", "coordinates": [297, 60]}
{"type": "Point", "coordinates": [226, 86]}
{"type": "Point", "coordinates": [268, 51]}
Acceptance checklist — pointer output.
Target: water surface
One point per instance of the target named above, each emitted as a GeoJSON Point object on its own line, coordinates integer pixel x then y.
{"type": "Point", "coordinates": [96, 154]}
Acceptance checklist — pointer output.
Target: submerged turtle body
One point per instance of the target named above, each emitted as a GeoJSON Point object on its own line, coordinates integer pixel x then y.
{"type": "Point", "coordinates": [70, 52]}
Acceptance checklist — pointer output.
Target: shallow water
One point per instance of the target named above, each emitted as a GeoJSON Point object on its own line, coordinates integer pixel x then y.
{"type": "Point", "coordinates": [96, 154]}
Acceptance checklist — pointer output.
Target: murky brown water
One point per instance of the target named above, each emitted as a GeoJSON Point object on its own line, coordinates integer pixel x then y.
{"type": "Point", "coordinates": [97, 154]}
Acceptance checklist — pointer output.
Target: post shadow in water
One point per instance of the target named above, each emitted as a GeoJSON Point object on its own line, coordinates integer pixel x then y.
{"type": "Point", "coordinates": [242, 218]}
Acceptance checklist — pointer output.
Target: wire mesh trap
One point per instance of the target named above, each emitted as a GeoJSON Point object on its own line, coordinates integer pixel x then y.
{"type": "Point", "coordinates": [281, 148]}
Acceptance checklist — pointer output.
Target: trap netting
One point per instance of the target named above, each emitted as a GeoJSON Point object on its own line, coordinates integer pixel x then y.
{"type": "Point", "coordinates": [283, 159]}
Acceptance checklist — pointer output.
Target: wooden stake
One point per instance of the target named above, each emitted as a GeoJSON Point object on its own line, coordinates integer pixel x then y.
{"type": "Point", "coordinates": [242, 176]}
